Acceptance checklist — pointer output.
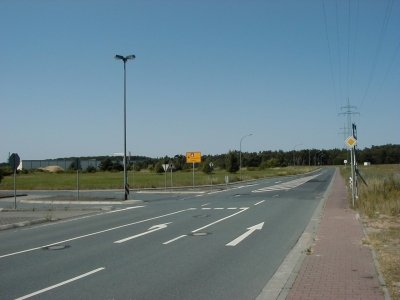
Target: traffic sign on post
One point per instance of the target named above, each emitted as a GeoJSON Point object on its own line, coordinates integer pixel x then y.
{"type": "Point", "coordinates": [351, 141]}
{"type": "Point", "coordinates": [14, 161]}
{"type": "Point", "coordinates": [193, 157]}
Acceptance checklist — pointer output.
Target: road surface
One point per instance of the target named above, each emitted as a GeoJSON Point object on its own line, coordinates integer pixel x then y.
{"type": "Point", "coordinates": [211, 245]}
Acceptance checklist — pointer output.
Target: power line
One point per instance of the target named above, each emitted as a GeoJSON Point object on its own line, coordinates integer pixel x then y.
{"type": "Point", "coordinates": [354, 47]}
{"type": "Point", "coordinates": [388, 69]}
{"type": "Point", "coordinates": [386, 19]}
{"type": "Point", "coordinates": [348, 49]}
{"type": "Point", "coordinates": [329, 52]}
{"type": "Point", "coordinates": [338, 50]}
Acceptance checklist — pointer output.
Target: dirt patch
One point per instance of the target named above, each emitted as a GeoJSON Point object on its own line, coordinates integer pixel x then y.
{"type": "Point", "coordinates": [384, 237]}
{"type": "Point", "coordinates": [52, 169]}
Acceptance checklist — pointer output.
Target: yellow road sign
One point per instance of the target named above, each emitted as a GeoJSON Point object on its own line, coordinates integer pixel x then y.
{"type": "Point", "coordinates": [350, 141]}
{"type": "Point", "coordinates": [193, 157]}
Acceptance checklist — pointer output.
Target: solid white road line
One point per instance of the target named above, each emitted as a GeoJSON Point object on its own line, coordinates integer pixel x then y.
{"type": "Point", "coordinates": [122, 209]}
{"type": "Point", "coordinates": [220, 220]}
{"type": "Point", "coordinates": [259, 202]}
{"type": "Point", "coordinates": [95, 233]}
{"type": "Point", "coordinates": [60, 284]}
{"type": "Point", "coordinates": [174, 239]}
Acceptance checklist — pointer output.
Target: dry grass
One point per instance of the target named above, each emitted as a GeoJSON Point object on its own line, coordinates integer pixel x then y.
{"type": "Point", "coordinates": [384, 237]}
{"type": "Point", "coordinates": [379, 205]}
{"type": "Point", "coordinates": [382, 195]}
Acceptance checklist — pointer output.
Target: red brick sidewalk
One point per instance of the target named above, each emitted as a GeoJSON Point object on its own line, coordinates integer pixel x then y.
{"type": "Point", "coordinates": [340, 266]}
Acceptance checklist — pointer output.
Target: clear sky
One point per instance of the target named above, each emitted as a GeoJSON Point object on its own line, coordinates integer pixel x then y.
{"type": "Point", "coordinates": [206, 73]}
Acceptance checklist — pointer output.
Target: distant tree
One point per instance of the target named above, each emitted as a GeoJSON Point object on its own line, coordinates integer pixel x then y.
{"type": "Point", "coordinates": [91, 169]}
{"type": "Point", "coordinates": [75, 165]}
{"type": "Point", "coordinates": [106, 164]}
{"type": "Point", "coordinates": [232, 162]}
{"type": "Point", "coordinates": [251, 159]}
{"type": "Point", "coordinates": [270, 163]}
{"type": "Point", "coordinates": [158, 167]}
{"type": "Point", "coordinates": [117, 166]}
{"type": "Point", "coordinates": [179, 161]}
{"type": "Point", "coordinates": [1, 174]}
{"type": "Point", "coordinates": [206, 166]}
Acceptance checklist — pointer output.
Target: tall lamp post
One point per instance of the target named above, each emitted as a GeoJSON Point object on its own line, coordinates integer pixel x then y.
{"type": "Point", "coordinates": [125, 59]}
{"type": "Point", "coordinates": [240, 153]}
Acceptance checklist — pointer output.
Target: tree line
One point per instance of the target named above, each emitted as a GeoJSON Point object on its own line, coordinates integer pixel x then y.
{"type": "Point", "coordinates": [386, 154]}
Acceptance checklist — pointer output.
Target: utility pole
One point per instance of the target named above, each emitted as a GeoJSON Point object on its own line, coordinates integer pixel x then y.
{"type": "Point", "coordinates": [354, 128]}
{"type": "Point", "coordinates": [351, 142]}
{"type": "Point", "coordinates": [348, 110]}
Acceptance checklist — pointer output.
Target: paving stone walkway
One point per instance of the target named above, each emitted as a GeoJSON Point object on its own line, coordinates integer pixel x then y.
{"type": "Point", "coordinates": [340, 266]}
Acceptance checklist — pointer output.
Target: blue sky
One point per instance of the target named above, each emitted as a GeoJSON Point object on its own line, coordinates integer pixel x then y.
{"type": "Point", "coordinates": [206, 73]}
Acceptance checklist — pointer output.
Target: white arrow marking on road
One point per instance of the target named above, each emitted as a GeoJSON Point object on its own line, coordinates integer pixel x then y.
{"type": "Point", "coordinates": [249, 231]}
{"type": "Point", "coordinates": [150, 230]}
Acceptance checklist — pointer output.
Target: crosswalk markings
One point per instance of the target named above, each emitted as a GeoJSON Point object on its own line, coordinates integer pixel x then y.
{"type": "Point", "coordinates": [286, 185]}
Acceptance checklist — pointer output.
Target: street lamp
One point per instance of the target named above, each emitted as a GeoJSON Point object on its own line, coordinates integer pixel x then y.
{"type": "Point", "coordinates": [125, 59]}
{"type": "Point", "coordinates": [240, 153]}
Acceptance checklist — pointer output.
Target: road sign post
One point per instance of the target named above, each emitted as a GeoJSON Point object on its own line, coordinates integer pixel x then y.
{"type": "Point", "coordinates": [193, 157]}
{"type": "Point", "coordinates": [351, 142]}
{"type": "Point", "coordinates": [14, 163]}
{"type": "Point", "coordinates": [165, 167]}
{"type": "Point", "coordinates": [171, 166]}
{"type": "Point", "coordinates": [211, 164]}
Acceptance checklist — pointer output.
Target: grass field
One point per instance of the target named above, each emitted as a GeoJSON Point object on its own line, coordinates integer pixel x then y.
{"type": "Point", "coordinates": [381, 195]}
{"type": "Point", "coordinates": [379, 205]}
{"type": "Point", "coordinates": [137, 180]}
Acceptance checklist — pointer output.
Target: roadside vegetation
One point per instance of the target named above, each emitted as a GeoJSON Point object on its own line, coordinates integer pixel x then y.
{"type": "Point", "coordinates": [39, 180]}
{"type": "Point", "coordinates": [379, 206]}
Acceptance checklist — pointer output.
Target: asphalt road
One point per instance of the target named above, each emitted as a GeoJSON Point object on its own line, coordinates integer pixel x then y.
{"type": "Point", "coordinates": [214, 245]}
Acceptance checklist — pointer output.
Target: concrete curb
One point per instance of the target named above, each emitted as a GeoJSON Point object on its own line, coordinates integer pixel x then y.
{"type": "Point", "coordinates": [130, 202]}
{"type": "Point", "coordinates": [26, 223]}
{"type": "Point", "coordinates": [41, 220]}
{"type": "Point", "coordinates": [280, 283]}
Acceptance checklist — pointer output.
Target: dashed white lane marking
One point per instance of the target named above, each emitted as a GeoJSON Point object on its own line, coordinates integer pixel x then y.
{"type": "Point", "coordinates": [259, 202]}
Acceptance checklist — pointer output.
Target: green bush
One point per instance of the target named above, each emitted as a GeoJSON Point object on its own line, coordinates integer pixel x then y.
{"type": "Point", "coordinates": [232, 162]}
{"type": "Point", "coordinates": [91, 169]}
